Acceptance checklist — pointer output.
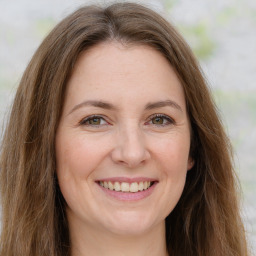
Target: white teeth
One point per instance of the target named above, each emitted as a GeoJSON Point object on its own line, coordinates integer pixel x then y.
{"type": "Point", "coordinates": [105, 184]}
{"type": "Point", "coordinates": [125, 186]}
{"type": "Point", "coordinates": [141, 186]}
{"type": "Point", "coordinates": [110, 186]}
{"type": "Point", "coordinates": [134, 187]}
{"type": "Point", "coordinates": [117, 186]}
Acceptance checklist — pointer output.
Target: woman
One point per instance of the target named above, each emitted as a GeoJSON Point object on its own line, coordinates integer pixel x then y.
{"type": "Point", "coordinates": [114, 146]}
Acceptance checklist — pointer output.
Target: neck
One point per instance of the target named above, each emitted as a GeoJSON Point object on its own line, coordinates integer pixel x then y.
{"type": "Point", "coordinates": [87, 240]}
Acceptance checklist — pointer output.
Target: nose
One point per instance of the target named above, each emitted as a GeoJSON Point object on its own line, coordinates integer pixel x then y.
{"type": "Point", "coordinates": [130, 148]}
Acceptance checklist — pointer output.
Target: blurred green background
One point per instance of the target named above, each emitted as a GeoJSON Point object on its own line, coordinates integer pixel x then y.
{"type": "Point", "coordinates": [222, 34]}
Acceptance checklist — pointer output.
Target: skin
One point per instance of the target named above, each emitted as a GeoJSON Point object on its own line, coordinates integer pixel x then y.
{"type": "Point", "coordinates": [126, 140]}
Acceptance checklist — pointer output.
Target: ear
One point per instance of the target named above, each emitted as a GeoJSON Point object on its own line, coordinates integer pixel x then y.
{"type": "Point", "coordinates": [191, 163]}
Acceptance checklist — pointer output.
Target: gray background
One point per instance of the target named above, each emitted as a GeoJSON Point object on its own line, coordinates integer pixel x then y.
{"type": "Point", "coordinates": [222, 34]}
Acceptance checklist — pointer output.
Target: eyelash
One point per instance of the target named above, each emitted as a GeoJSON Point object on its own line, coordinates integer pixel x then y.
{"type": "Point", "coordinates": [89, 118]}
{"type": "Point", "coordinates": [169, 120]}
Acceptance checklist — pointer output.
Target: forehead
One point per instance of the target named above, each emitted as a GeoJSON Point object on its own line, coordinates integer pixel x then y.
{"type": "Point", "coordinates": [124, 74]}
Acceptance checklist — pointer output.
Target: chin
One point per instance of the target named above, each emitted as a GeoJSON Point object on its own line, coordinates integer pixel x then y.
{"type": "Point", "coordinates": [132, 224]}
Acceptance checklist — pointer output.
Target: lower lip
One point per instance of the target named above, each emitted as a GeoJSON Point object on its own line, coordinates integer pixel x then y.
{"type": "Point", "coordinates": [129, 196]}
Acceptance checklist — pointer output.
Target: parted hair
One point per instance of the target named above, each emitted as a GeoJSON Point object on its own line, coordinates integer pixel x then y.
{"type": "Point", "coordinates": [205, 222]}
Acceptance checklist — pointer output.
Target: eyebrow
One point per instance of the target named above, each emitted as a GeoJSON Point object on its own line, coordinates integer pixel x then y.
{"type": "Point", "coordinates": [109, 106]}
{"type": "Point", "coordinates": [94, 103]}
{"type": "Point", "coordinates": [161, 104]}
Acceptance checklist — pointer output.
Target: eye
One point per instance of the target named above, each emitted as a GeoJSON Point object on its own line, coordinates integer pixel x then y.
{"type": "Point", "coordinates": [160, 120]}
{"type": "Point", "coordinates": [93, 121]}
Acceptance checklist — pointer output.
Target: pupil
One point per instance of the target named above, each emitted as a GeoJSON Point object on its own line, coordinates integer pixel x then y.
{"type": "Point", "coordinates": [158, 120]}
{"type": "Point", "coordinates": [95, 121]}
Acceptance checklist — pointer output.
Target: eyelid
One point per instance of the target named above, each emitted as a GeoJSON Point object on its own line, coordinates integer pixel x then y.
{"type": "Point", "coordinates": [168, 118]}
{"type": "Point", "coordinates": [85, 119]}
{"type": "Point", "coordinates": [82, 122]}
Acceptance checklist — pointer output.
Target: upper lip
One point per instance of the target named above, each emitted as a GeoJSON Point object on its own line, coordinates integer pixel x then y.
{"type": "Point", "coordinates": [127, 179]}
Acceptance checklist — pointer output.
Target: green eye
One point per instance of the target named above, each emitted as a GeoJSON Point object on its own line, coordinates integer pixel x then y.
{"type": "Point", "coordinates": [94, 121]}
{"type": "Point", "coordinates": [158, 120]}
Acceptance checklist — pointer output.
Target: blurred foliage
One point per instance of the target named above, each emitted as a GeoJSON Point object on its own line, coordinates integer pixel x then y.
{"type": "Point", "coordinates": [199, 38]}
{"type": "Point", "coordinates": [168, 4]}
{"type": "Point", "coordinates": [197, 35]}
{"type": "Point", "coordinates": [239, 109]}
{"type": "Point", "coordinates": [237, 99]}
{"type": "Point", "coordinates": [43, 26]}
{"type": "Point", "coordinates": [226, 15]}
{"type": "Point", "coordinates": [253, 14]}
{"type": "Point", "coordinates": [9, 37]}
{"type": "Point", "coordinates": [4, 79]}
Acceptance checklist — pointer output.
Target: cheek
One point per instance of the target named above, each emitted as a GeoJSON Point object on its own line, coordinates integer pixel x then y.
{"type": "Point", "coordinates": [173, 153]}
{"type": "Point", "coordinates": [174, 162]}
{"type": "Point", "coordinates": [77, 160]}
{"type": "Point", "coordinates": [172, 157]}
{"type": "Point", "coordinates": [77, 157]}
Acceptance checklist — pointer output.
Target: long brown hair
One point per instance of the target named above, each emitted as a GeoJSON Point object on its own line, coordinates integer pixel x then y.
{"type": "Point", "coordinates": [206, 220]}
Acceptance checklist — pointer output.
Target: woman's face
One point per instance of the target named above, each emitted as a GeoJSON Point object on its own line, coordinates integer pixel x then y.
{"type": "Point", "coordinates": [123, 140]}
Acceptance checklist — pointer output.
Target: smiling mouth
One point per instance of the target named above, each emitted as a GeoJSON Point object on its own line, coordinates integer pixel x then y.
{"type": "Point", "coordinates": [126, 187]}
